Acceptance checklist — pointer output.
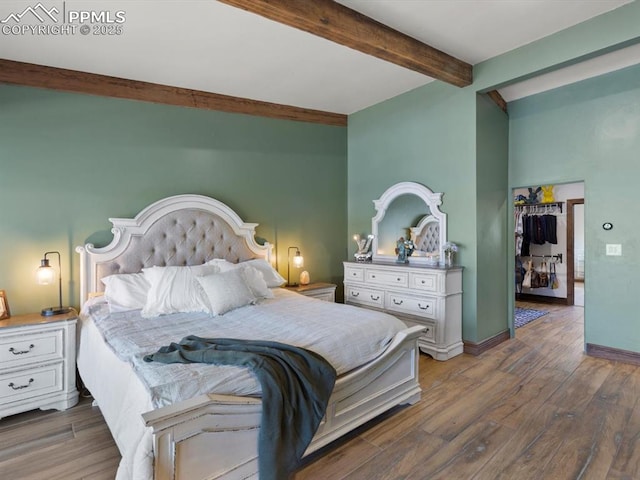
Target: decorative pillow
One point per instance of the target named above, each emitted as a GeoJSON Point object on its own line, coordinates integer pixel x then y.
{"type": "Point", "coordinates": [270, 274]}
{"type": "Point", "coordinates": [255, 281]}
{"type": "Point", "coordinates": [226, 291]}
{"type": "Point", "coordinates": [127, 291]}
{"type": "Point", "coordinates": [175, 289]}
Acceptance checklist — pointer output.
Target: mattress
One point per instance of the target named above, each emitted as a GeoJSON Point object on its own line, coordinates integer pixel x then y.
{"type": "Point", "coordinates": [111, 348]}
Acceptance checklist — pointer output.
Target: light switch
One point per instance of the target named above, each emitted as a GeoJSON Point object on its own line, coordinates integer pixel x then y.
{"type": "Point", "coordinates": [614, 249]}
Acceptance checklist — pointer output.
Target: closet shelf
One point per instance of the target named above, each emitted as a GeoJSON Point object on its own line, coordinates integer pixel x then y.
{"type": "Point", "coordinates": [536, 206]}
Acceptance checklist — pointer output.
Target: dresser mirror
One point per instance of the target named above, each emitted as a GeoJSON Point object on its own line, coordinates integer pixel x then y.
{"type": "Point", "coordinates": [409, 210]}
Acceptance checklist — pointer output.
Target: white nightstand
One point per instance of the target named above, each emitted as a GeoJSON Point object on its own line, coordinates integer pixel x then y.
{"type": "Point", "coordinates": [37, 363]}
{"type": "Point", "coordinates": [319, 290]}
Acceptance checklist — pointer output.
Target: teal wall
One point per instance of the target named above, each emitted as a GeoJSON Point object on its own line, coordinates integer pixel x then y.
{"type": "Point", "coordinates": [69, 161]}
{"type": "Point", "coordinates": [425, 136]}
{"type": "Point", "coordinates": [492, 207]}
{"type": "Point", "coordinates": [591, 131]}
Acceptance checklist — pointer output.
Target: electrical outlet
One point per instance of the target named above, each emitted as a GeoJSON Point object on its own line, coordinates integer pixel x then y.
{"type": "Point", "coordinates": [614, 249]}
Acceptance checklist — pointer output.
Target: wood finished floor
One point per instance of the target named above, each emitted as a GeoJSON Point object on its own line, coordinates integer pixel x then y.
{"type": "Point", "coordinates": [534, 407]}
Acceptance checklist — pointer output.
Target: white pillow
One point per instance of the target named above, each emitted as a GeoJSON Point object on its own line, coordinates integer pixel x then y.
{"type": "Point", "coordinates": [175, 289]}
{"type": "Point", "coordinates": [126, 291]}
{"type": "Point", "coordinates": [255, 281]}
{"type": "Point", "coordinates": [226, 291]}
{"type": "Point", "coordinates": [271, 276]}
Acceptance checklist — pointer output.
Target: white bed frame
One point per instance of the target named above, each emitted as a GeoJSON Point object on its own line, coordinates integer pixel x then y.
{"type": "Point", "coordinates": [215, 436]}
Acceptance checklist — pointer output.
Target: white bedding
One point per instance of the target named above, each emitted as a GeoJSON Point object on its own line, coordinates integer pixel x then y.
{"type": "Point", "coordinates": [125, 386]}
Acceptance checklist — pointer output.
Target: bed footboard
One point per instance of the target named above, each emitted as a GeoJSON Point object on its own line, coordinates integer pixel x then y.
{"type": "Point", "coordinates": [216, 436]}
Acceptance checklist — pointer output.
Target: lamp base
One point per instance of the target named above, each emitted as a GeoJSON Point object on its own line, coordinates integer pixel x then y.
{"type": "Point", "coordinates": [51, 311]}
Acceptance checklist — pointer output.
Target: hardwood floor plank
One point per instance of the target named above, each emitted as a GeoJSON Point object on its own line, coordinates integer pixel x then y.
{"type": "Point", "coordinates": [591, 449]}
{"type": "Point", "coordinates": [626, 465]}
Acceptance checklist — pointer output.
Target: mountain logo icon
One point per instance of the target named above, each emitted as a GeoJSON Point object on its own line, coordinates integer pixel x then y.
{"type": "Point", "coordinates": [38, 11]}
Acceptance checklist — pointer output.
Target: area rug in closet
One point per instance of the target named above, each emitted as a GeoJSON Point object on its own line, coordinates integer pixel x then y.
{"type": "Point", "coordinates": [526, 315]}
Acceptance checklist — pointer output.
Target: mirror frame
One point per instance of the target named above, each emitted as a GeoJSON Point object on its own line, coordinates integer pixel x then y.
{"type": "Point", "coordinates": [431, 199]}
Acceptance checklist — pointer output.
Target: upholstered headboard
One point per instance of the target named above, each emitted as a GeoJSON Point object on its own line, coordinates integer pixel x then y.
{"type": "Point", "coordinates": [426, 235]}
{"type": "Point", "coordinates": [176, 231]}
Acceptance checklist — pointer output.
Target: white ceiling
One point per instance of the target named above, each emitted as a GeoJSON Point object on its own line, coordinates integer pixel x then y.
{"type": "Point", "coordinates": [206, 45]}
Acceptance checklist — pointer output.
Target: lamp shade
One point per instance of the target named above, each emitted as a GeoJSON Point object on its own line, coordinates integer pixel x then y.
{"type": "Point", "coordinates": [298, 260]}
{"type": "Point", "coordinates": [45, 273]}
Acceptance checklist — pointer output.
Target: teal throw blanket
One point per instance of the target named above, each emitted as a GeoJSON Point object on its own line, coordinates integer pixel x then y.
{"type": "Point", "coordinates": [296, 386]}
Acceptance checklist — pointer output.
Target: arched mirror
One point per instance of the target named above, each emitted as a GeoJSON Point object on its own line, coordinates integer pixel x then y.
{"type": "Point", "coordinates": [409, 210]}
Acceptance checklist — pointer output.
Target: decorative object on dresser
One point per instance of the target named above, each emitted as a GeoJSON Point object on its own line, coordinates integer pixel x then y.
{"type": "Point", "coordinates": [298, 262]}
{"type": "Point", "coordinates": [319, 290]}
{"type": "Point", "coordinates": [363, 254]}
{"type": "Point", "coordinates": [46, 276]}
{"type": "Point", "coordinates": [4, 306]}
{"type": "Point", "coordinates": [449, 249]}
{"type": "Point", "coordinates": [37, 363]}
{"type": "Point", "coordinates": [304, 278]}
{"type": "Point", "coordinates": [419, 292]}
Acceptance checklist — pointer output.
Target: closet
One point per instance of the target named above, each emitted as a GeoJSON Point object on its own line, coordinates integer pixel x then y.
{"type": "Point", "coordinates": [542, 246]}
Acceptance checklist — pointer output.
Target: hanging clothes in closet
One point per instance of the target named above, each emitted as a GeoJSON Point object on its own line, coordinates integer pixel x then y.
{"type": "Point", "coordinates": [537, 229]}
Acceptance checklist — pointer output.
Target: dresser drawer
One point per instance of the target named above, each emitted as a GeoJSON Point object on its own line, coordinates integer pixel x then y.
{"type": "Point", "coordinates": [365, 296]}
{"type": "Point", "coordinates": [387, 279]}
{"type": "Point", "coordinates": [419, 306]}
{"type": "Point", "coordinates": [429, 333]}
{"type": "Point", "coordinates": [427, 282]}
{"type": "Point", "coordinates": [354, 273]}
{"type": "Point", "coordinates": [31, 382]}
{"type": "Point", "coordinates": [16, 350]}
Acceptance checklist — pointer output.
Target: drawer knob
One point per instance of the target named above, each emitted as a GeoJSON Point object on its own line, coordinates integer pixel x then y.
{"type": "Point", "coordinates": [355, 294]}
{"type": "Point", "coordinates": [426, 307]}
{"type": "Point", "coordinates": [20, 387]}
{"type": "Point", "coordinates": [422, 282]}
{"type": "Point", "coordinates": [398, 279]}
{"type": "Point", "coordinates": [21, 352]}
{"type": "Point", "coordinates": [396, 302]}
{"type": "Point", "coordinates": [375, 299]}
{"type": "Point", "coordinates": [354, 273]}
{"type": "Point", "coordinates": [373, 276]}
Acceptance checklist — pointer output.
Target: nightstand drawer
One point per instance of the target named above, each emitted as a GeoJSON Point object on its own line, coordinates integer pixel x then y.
{"type": "Point", "coordinates": [420, 306]}
{"type": "Point", "coordinates": [29, 383]}
{"type": "Point", "coordinates": [365, 296]}
{"type": "Point", "coordinates": [23, 349]}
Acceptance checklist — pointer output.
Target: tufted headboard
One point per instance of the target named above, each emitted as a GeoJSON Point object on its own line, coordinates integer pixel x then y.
{"type": "Point", "coordinates": [426, 235]}
{"type": "Point", "coordinates": [175, 231]}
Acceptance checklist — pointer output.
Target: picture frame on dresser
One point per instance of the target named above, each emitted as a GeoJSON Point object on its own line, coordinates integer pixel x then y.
{"type": "Point", "coordinates": [4, 306]}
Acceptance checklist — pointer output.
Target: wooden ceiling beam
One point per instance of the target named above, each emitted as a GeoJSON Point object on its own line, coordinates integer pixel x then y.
{"type": "Point", "coordinates": [32, 75]}
{"type": "Point", "coordinates": [498, 100]}
{"type": "Point", "coordinates": [335, 22]}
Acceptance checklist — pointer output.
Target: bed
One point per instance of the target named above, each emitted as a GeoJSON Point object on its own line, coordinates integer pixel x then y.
{"type": "Point", "coordinates": [186, 428]}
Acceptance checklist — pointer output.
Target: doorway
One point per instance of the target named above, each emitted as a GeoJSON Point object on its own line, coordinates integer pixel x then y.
{"type": "Point", "coordinates": [560, 256]}
{"type": "Point", "coordinates": [575, 252]}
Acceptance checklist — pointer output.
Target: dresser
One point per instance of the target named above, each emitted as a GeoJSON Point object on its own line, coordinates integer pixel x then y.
{"type": "Point", "coordinates": [417, 295]}
{"type": "Point", "coordinates": [37, 363]}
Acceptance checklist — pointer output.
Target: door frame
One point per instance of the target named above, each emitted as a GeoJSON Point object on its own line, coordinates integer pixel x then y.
{"type": "Point", "coordinates": [570, 246]}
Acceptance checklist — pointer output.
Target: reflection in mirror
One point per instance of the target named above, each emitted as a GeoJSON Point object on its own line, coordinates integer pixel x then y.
{"type": "Point", "coordinates": [409, 210]}
{"type": "Point", "coordinates": [403, 213]}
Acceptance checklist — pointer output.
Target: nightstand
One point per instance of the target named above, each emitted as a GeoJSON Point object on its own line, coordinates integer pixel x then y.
{"type": "Point", "coordinates": [37, 363]}
{"type": "Point", "coordinates": [319, 290]}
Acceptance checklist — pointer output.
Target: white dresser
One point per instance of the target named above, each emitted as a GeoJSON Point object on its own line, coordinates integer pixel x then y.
{"type": "Point", "coordinates": [417, 295]}
{"type": "Point", "coordinates": [37, 363]}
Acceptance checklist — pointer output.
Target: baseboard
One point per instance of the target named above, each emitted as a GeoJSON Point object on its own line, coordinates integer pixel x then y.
{"type": "Point", "coordinates": [615, 354]}
{"type": "Point", "coordinates": [528, 297]}
{"type": "Point", "coordinates": [476, 349]}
